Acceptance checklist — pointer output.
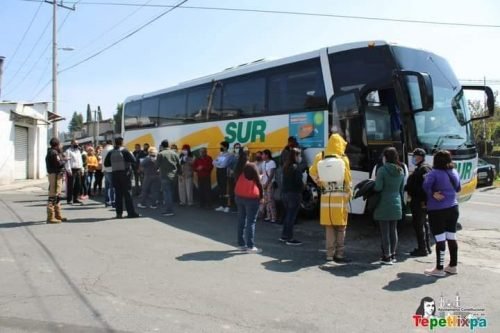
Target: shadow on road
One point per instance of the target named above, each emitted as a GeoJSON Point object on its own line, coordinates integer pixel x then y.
{"type": "Point", "coordinates": [209, 255]}
{"type": "Point", "coordinates": [19, 224]}
{"type": "Point", "coordinates": [407, 281]}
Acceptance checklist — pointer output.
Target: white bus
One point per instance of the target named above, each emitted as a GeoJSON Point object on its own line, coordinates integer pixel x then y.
{"type": "Point", "coordinates": [375, 94]}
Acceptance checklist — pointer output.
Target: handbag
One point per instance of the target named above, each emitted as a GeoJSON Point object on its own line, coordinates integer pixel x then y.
{"type": "Point", "coordinates": [246, 188]}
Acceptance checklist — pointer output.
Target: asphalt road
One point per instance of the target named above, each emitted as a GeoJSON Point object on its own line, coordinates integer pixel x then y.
{"type": "Point", "coordinates": [183, 274]}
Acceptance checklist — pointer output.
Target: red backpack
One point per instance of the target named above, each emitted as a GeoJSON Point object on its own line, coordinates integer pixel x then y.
{"type": "Point", "coordinates": [246, 188]}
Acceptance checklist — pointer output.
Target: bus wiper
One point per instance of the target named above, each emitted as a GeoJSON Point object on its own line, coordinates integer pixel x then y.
{"type": "Point", "coordinates": [441, 139]}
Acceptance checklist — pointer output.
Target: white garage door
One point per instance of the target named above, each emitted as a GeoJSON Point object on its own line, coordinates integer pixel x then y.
{"type": "Point", "coordinates": [21, 153]}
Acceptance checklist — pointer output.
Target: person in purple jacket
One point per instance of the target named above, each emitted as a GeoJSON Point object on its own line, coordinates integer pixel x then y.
{"type": "Point", "coordinates": [441, 186]}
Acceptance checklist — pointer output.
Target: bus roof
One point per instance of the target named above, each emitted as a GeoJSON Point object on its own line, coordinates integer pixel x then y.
{"type": "Point", "coordinates": [255, 66]}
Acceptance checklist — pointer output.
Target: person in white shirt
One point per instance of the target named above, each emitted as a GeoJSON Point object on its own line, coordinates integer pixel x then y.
{"type": "Point", "coordinates": [74, 168]}
{"type": "Point", "coordinates": [109, 194]}
{"type": "Point", "coordinates": [267, 180]}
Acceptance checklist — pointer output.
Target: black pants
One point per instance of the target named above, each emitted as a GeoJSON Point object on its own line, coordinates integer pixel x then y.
{"type": "Point", "coordinates": [205, 190]}
{"type": "Point", "coordinates": [74, 185]}
{"type": "Point", "coordinates": [443, 224]}
{"type": "Point", "coordinates": [98, 181]}
{"type": "Point", "coordinates": [122, 185]}
{"type": "Point", "coordinates": [221, 174]}
{"type": "Point", "coordinates": [421, 226]}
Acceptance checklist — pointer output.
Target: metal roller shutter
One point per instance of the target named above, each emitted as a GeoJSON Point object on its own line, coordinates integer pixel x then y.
{"type": "Point", "coordinates": [21, 153]}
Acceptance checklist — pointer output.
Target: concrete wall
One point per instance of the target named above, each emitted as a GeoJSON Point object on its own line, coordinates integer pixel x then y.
{"type": "Point", "coordinates": [37, 139]}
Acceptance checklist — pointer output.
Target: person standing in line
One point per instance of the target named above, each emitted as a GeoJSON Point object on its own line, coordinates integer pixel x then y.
{"type": "Point", "coordinates": [293, 186]}
{"type": "Point", "coordinates": [109, 197]}
{"type": "Point", "coordinates": [169, 165]}
{"type": "Point", "coordinates": [248, 194]}
{"type": "Point", "coordinates": [92, 165]}
{"type": "Point", "coordinates": [291, 144]}
{"type": "Point", "coordinates": [415, 190]}
{"type": "Point", "coordinates": [203, 168]}
{"type": "Point", "coordinates": [441, 186]}
{"type": "Point", "coordinates": [334, 202]}
{"type": "Point", "coordinates": [55, 162]}
{"type": "Point", "coordinates": [74, 167]}
{"type": "Point", "coordinates": [138, 155]}
{"type": "Point", "coordinates": [84, 187]}
{"type": "Point", "coordinates": [390, 184]}
{"type": "Point", "coordinates": [151, 183]}
{"type": "Point", "coordinates": [267, 180]}
{"type": "Point", "coordinates": [99, 175]}
{"type": "Point", "coordinates": [121, 162]}
{"type": "Point", "coordinates": [221, 164]}
{"type": "Point", "coordinates": [259, 163]}
{"type": "Point", "coordinates": [175, 186]}
{"type": "Point", "coordinates": [186, 176]}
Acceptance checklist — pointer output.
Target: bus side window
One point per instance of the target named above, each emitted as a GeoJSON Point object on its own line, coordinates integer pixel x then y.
{"type": "Point", "coordinates": [244, 98]}
{"type": "Point", "coordinates": [172, 109]}
{"type": "Point", "coordinates": [132, 113]}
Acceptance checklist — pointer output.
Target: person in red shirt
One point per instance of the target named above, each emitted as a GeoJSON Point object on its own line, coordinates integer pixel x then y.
{"type": "Point", "coordinates": [203, 167]}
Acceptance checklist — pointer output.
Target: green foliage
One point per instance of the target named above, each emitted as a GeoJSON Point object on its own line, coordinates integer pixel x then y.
{"type": "Point", "coordinates": [76, 123]}
{"type": "Point", "coordinates": [489, 128]}
{"type": "Point", "coordinates": [99, 113]}
{"type": "Point", "coordinates": [117, 117]}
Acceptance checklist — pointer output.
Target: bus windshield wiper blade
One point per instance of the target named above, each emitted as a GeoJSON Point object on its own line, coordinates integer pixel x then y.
{"type": "Point", "coordinates": [441, 138]}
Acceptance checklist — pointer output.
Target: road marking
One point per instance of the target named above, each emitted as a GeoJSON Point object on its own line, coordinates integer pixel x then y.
{"type": "Point", "coordinates": [483, 203]}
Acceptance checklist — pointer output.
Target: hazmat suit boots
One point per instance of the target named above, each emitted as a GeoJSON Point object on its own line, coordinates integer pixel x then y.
{"type": "Point", "coordinates": [57, 211]}
{"type": "Point", "coordinates": [339, 246]}
{"type": "Point", "coordinates": [51, 215]}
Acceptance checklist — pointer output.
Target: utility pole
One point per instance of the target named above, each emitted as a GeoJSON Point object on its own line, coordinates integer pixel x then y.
{"type": "Point", "coordinates": [54, 4]}
{"type": "Point", "coordinates": [484, 126]}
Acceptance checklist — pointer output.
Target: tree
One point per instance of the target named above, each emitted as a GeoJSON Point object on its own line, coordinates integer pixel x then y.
{"type": "Point", "coordinates": [117, 117]}
{"type": "Point", "coordinates": [89, 114]}
{"type": "Point", "coordinates": [76, 123]}
{"type": "Point", "coordinates": [99, 113]}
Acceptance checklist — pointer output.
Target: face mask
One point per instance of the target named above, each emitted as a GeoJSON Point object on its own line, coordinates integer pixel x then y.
{"type": "Point", "coordinates": [384, 160]}
{"type": "Point", "coordinates": [414, 160]}
{"type": "Point", "coordinates": [185, 152]}
{"type": "Point", "coordinates": [299, 159]}
{"type": "Point", "coordinates": [236, 150]}
{"type": "Point", "coordinates": [75, 146]}
{"type": "Point", "coordinates": [222, 149]}
{"type": "Point", "coordinates": [153, 157]}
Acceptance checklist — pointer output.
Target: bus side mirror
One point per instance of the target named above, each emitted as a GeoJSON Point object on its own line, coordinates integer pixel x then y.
{"type": "Point", "coordinates": [419, 88]}
{"type": "Point", "coordinates": [481, 101]}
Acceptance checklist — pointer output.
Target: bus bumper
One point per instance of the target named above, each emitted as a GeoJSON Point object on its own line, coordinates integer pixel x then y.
{"type": "Point", "coordinates": [467, 190]}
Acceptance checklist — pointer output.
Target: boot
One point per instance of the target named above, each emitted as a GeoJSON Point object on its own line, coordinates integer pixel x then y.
{"type": "Point", "coordinates": [51, 214]}
{"type": "Point", "coordinates": [57, 212]}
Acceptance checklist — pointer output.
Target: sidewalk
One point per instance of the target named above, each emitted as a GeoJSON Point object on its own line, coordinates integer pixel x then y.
{"type": "Point", "coordinates": [20, 184]}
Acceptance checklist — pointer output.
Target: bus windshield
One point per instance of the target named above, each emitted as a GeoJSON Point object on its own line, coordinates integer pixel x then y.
{"type": "Point", "coordinates": [445, 127]}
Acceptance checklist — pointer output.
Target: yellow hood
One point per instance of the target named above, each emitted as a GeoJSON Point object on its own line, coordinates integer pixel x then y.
{"type": "Point", "coordinates": [336, 145]}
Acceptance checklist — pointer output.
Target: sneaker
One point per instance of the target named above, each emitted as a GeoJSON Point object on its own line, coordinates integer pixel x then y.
{"type": "Point", "coordinates": [435, 272]}
{"type": "Point", "coordinates": [141, 205]}
{"type": "Point", "coordinates": [329, 259]}
{"type": "Point", "coordinates": [226, 210]}
{"type": "Point", "coordinates": [267, 220]}
{"type": "Point", "coordinates": [254, 250]}
{"type": "Point", "coordinates": [77, 202]}
{"type": "Point", "coordinates": [283, 239]}
{"type": "Point", "coordinates": [293, 242]}
{"type": "Point", "coordinates": [393, 258]}
{"type": "Point", "coordinates": [219, 209]}
{"type": "Point", "coordinates": [167, 214]}
{"type": "Point", "coordinates": [418, 253]}
{"type": "Point", "coordinates": [133, 216]}
{"type": "Point", "coordinates": [242, 248]}
{"type": "Point", "coordinates": [153, 206]}
{"type": "Point", "coordinates": [451, 270]}
{"type": "Point", "coordinates": [386, 261]}
{"type": "Point", "coordinates": [342, 260]}
{"type": "Point", "coordinates": [119, 216]}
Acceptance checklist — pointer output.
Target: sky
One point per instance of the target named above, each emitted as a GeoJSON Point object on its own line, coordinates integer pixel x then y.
{"type": "Point", "coordinates": [188, 43]}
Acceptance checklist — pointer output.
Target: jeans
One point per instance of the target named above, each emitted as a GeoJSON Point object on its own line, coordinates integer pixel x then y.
{"type": "Point", "coordinates": [389, 233]}
{"type": "Point", "coordinates": [150, 189]}
{"type": "Point", "coordinates": [109, 197]}
{"type": "Point", "coordinates": [88, 181]}
{"type": "Point", "coordinates": [167, 188]}
{"type": "Point", "coordinates": [291, 203]}
{"type": "Point", "coordinates": [247, 215]}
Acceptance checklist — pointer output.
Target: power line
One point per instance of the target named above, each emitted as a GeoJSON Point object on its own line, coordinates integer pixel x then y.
{"type": "Point", "coordinates": [29, 53]}
{"type": "Point", "coordinates": [263, 11]}
{"type": "Point", "coordinates": [38, 60]}
{"type": "Point", "coordinates": [25, 33]}
{"type": "Point", "coordinates": [124, 37]}
{"type": "Point", "coordinates": [111, 28]}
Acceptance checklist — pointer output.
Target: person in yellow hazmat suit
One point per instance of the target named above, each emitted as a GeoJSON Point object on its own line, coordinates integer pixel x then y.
{"type": "Point", "coordinates": [334, 200]}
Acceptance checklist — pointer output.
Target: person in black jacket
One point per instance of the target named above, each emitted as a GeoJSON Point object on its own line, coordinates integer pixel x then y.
{"type": "Point", "coordinates": [121, 162]}
{"type": "Point", "coordinates": [418, 202]}
{"type": "Point", "coordinates": [55, 162]}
